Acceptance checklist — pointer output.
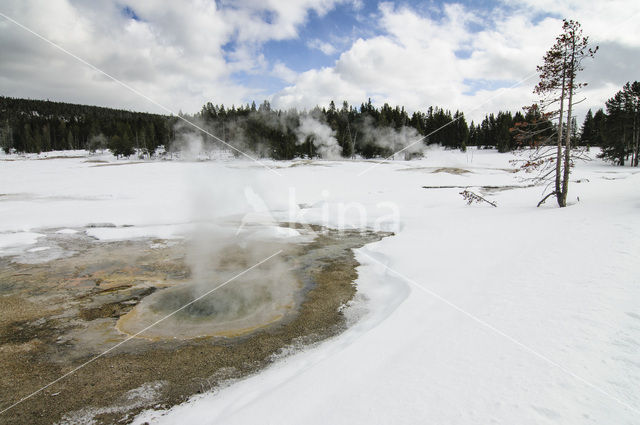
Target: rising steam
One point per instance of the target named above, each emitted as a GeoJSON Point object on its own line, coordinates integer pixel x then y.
{"type": "Point", "coordinates": [253, 135]}
{"type": "Point", "coordinates": [321, 135]}
{"type": "Point", "coordinates": [405, 139]}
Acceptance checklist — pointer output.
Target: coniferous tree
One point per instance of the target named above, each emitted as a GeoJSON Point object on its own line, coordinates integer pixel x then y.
{"type": "Point", "coordinates": [588, 131]}
{"type": "Point", "coordinates": [557, 86]}
{"type": "Point", "coordinates": [621, 139]}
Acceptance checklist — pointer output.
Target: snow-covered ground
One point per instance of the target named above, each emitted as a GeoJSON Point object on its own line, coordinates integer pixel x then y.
{"type": "Point", "coordinates": [468, 315]}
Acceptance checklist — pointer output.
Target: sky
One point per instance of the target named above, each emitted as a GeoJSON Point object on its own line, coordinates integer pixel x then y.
{"type": "Point", "coordinates": [473, 56]}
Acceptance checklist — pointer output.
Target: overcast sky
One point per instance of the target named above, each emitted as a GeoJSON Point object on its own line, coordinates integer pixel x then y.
{"type": "Point", "coordinates": [465, 55]}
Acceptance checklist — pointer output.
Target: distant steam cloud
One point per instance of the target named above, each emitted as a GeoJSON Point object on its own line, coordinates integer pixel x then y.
{"type": "Point", "coordinates": [264, 133]}
{"type": "Point", "coordinates": [321, 135]}
{"type": "Point", "coordinates": [191, 146]}
{"type": "Point", "coordinates": [405, 139]}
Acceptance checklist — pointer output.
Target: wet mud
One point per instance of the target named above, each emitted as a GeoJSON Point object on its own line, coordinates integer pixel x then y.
{"type": "Point", "coordinates": [65, 304]}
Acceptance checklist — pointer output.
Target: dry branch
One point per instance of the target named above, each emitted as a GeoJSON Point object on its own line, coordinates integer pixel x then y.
{"type": "Point", "coordinates": [471, 197]}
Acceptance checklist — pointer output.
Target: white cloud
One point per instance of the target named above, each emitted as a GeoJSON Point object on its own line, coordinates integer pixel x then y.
{"type": "Point", "coordinates": [605, 21]}
{"type": "Point", "coordinates": [414, 62]}
{"type": "Point", "coordinates": [323, 46]}
{"type": "Point", "coordinates": [280, 70]}
{"type": "Point", "coordinates": [324, 85]}
{"type": "Point", "coordinates": [173, 54]}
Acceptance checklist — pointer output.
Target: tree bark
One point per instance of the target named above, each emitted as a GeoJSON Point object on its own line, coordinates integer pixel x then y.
{"type": "Point", "coordinates": [558, 190]}
{"type": "Point", "coordinates": [567, 149]}
{"type": "Point", "coordinates": [636, 139]}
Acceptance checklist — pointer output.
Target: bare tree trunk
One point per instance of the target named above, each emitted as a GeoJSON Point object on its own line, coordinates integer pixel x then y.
{"type": "Point", "coordinates": [559, 152]}
{"type": "Point", "coordinates": [636, 140]}
{"type": "Point", "coordinates": [624, 143]}
{"type": "Point", "coordinates": [633, 142]}
{"type": "Point", "coordinates": [635, 164]}
{"type": "Point", "coordinates": [567, 148]}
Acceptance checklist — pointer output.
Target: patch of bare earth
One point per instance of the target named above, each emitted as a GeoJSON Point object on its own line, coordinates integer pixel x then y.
{"type": "Point", "coordinates": [57, 315]}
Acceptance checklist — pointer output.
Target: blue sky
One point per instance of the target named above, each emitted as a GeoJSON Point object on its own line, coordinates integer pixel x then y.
{"type": "Point", "coordinates": [338, 28]}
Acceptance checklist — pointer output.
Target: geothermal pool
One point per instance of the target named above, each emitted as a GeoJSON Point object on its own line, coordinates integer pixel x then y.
{"type": "Point", "coordinates": [71, 297]}
{"type": "Point", "coordinates": [202, 307]}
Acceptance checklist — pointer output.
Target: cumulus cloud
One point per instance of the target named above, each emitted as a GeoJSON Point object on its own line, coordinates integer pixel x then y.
{"type": "Point", "coordinates": [180, 54]}
{"type": "Point", "coordinates": [323, 46]}
{"type": "Point", "coordinates": [474, 62]}
{"type": "Point", "coordinates": [282, 71]}
{"type": "Point", "coordinates": [415, 62]}
{"type": "Point", "coordinates": [605, 21]}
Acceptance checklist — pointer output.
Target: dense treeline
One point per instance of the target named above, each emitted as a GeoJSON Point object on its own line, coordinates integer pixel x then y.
{"type": "Point", "coordinates": [346, 131]}
{"type": "Point", "coordinates": [617, 131]}
{"type": "Point", "coordinates": [35, 125]}
{"type": "Point", "coordinates": [366, 131]}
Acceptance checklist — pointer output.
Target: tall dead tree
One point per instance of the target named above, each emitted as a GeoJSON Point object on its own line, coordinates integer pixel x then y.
{"type": "Point", "coordinates": [557, 88]}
